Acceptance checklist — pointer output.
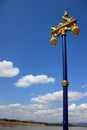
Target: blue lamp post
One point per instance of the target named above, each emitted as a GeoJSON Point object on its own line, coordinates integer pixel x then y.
{"type": "Point", "coordinates": [61, 29]}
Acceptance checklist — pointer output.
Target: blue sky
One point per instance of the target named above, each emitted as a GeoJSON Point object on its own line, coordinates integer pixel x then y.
{"type": "Point", "coordinates": [31, 68]}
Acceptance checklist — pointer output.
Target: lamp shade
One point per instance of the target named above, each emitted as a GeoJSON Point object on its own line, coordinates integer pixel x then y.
{"type": "Point", "coordinates": [53, 40]}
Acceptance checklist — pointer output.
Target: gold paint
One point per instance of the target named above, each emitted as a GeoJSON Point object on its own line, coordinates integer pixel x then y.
{"type": "Point", "coordinates": [75, 30]}
{"type": "Point", "coordinates": [68, 25]}
{"type": "Point", "coordinates": [53, 40]}
{"type": "Point", "coordinates": [65, 83]}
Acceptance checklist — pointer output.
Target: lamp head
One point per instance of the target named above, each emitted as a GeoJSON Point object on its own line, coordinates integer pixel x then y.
{"type": "Point", "coordinates": [53, 40]}
{"type": "Point", "coordinates": [75, 30]}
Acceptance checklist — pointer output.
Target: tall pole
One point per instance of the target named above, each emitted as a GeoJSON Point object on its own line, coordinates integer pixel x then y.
{"type": "Point", "coordinates": [65, 84]}
{"type": "Point", "coordinates": [61, 29]}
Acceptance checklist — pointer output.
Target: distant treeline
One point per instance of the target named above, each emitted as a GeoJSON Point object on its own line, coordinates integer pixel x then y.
{"type": "Point", "coordinates": [33, 122]}
{"type": "Point", "coordinates": [45, 123]}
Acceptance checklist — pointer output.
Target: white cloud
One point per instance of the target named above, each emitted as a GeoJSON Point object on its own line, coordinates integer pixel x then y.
{"type": "Point", "coordinates": [29, 80]}
{"type": "Point", "coordinates": [84, 86]}
{"type": "Point", "coordinates": [14, 105]}
{"type": "Point", "coordinates": [7, 69]}
{"type": "Point", "coordinates": [39, 112]}
{"type": "Point", "coordinates": [49, 98]}
{"type": "Point", "coordinates": [50, 115]}
{"type": "Point", "coordinates": [76, 95]}
{"type": "Point", "coordinates": [78, 113]}
{"type": "Point", "coordinates": [18, 111]}
{"type": "Point", "coordinates": [58, 96]}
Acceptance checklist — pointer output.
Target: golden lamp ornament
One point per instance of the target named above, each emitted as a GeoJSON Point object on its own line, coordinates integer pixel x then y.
{"type": "Point", "coordinates": [62, 28]}
{"type": "Point", "coordinates": [75, 30]}
{"type": "Point", "coordinates": [53, 40]}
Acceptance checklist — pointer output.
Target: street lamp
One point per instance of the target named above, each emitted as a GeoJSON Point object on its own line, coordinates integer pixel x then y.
{"type": "Point", "coordinates": [61, 30]}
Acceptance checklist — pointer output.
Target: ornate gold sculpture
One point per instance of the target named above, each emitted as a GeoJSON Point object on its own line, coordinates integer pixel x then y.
{"type": "Point", "coordinates": [62, 28]}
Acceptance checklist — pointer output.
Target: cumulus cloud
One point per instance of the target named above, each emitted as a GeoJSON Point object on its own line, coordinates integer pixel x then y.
{"type": "Point", "coordinates": [84, 86]}
{"type": "Point", "coordinates": [77, 113]}
{"type": "Point", "coordinates": [29, 80]}
{"type": "Point", "coordinates": [58, 96]}
{"type": "Point", "coordinates": [76, 95]}
{"type": "Point", "coordinates": [14, 105]}
{"type": "Point", "coordinates": [49, 98]}
{"type": "Point", "coordinates": [18, 111]}
{"type": "Point", "coordinates": [7, 69]}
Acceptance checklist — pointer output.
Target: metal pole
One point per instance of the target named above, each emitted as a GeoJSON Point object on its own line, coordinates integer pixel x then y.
{"type": "Point", "coordinates": [65, 84]}
{"type": "Point", "coordinates": [61, 30]}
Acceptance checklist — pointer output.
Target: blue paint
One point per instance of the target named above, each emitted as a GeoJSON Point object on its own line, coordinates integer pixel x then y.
{"type": "Point", "coordinates": [65, 88]}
